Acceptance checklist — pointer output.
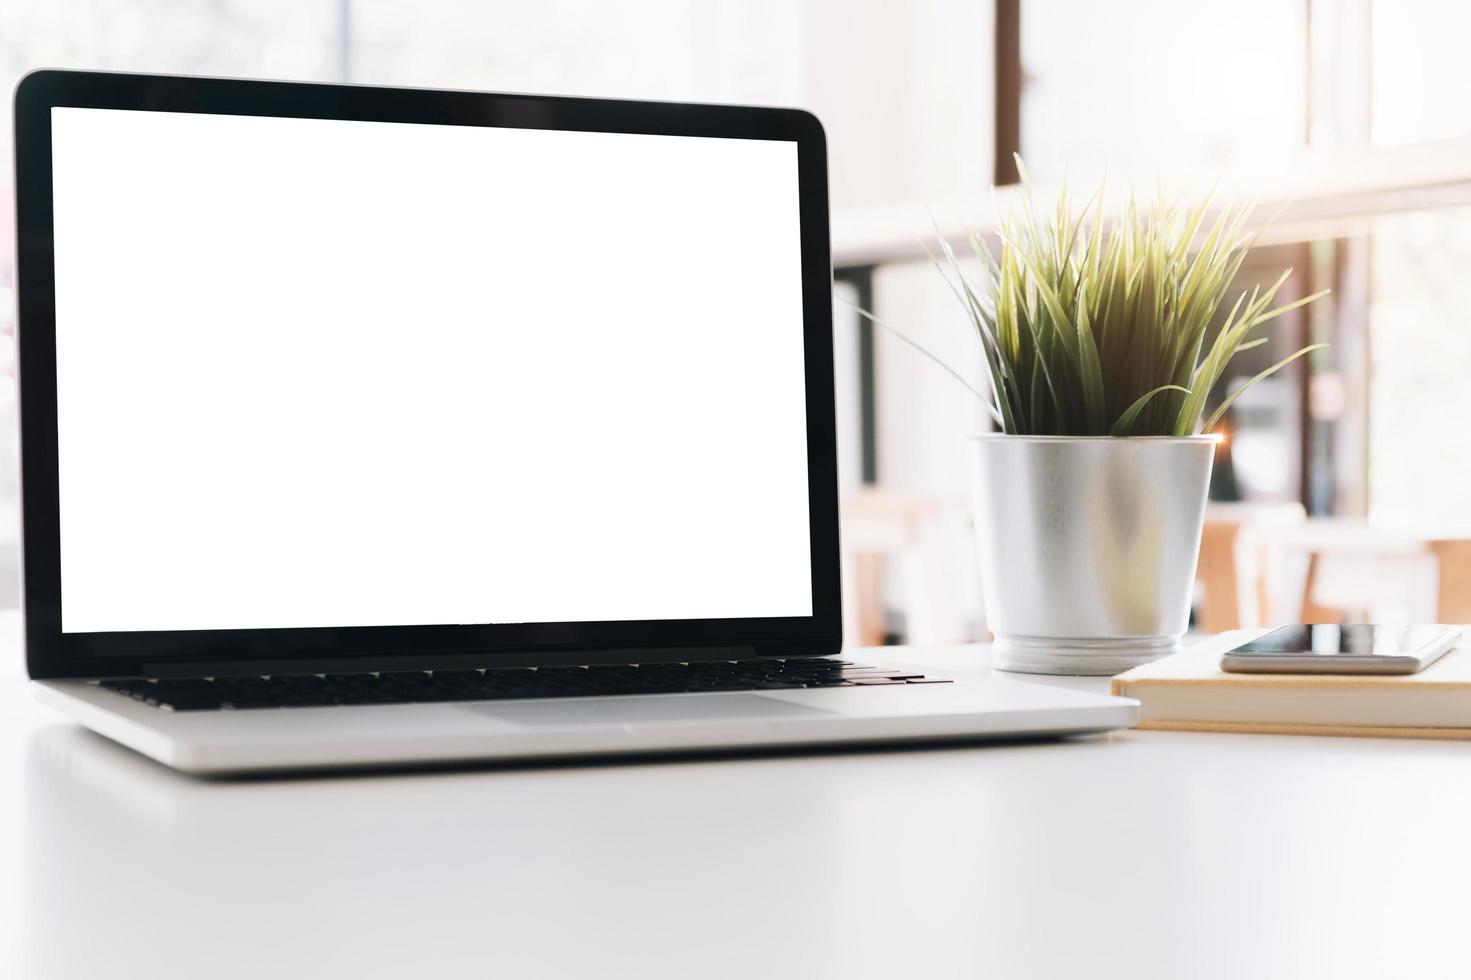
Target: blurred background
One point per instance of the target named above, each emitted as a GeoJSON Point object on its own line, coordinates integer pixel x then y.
{"type": "Point", "coordinates": [1343, 486]}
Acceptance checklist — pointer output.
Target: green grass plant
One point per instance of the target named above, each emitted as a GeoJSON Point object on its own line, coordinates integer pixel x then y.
{"type": "Point", "coordinates": [1090, 330]}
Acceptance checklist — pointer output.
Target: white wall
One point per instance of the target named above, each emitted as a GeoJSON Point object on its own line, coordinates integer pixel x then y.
{"type": "Point", "coordinates": [905, 91]}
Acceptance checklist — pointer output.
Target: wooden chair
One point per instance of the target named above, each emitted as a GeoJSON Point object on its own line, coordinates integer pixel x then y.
{"type": "Point", "coordinates": [1352, 567]}
{"type": "Point", "coordinates": [1453, 592]}
{"type": "Point", "coordinates": [1235, 572]}
{"type": "Point", "coordinates": [908, 543]}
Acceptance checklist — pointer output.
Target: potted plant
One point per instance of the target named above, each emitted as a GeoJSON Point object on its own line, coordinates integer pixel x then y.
{"type": "Point", "coordinates": [1101, 346]}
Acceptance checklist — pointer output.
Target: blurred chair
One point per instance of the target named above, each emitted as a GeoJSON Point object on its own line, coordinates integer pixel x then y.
{"type": "Point", "coordinates": [1356, 571]}
{"type": "Point", "coordinates": [918, 547]}
{"type": "Point", "coordinates": [1243, 587]}
{"type": "Point", "coordinates": [1453, 593]}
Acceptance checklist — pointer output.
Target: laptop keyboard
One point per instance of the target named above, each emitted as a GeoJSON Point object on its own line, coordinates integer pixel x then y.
{"type": "Point", "coordinates": [415, 686]}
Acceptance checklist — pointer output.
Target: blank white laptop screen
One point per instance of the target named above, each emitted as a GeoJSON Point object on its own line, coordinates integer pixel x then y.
{"type": "Point", "coordinates": [329, 373]}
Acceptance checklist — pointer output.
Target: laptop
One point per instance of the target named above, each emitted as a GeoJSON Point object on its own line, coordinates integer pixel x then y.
{"type": "Point", "coordinates": [384, 427]}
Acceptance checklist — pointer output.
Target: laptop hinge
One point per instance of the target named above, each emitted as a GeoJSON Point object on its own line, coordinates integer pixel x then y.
{"type": "Point", "coordinates": [421, 661]}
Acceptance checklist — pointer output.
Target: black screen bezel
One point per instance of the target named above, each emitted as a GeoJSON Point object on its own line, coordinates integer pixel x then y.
{"type": "Point", "coordinates": [54, 654]}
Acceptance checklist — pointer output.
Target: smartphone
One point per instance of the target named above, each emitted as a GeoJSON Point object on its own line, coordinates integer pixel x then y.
{"type": "Point", "coordinates": [1342, 650]}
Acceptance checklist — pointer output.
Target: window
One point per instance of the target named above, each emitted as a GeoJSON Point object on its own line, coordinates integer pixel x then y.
{"type": "Point", "coordinates": [1158, 86]}
{"type": "Point", "coordinates": [1420, 71]}
{"type": "Point", "coordinates": [1420, 353]}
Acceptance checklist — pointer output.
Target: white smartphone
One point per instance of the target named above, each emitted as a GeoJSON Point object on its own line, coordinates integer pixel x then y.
{"type": "Point", "coordinates": [1332, 649]}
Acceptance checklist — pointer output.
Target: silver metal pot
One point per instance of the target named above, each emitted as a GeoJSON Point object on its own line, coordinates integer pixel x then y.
{"type": "Point", "coordinates": [1088, 547]}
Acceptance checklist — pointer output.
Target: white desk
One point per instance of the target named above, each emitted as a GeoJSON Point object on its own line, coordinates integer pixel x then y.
{"type": "Point", "coordinates": [1134, 855]}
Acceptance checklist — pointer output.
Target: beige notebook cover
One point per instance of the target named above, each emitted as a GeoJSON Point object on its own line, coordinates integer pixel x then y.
{"type": "Point", "coordinates": [1190, 692]}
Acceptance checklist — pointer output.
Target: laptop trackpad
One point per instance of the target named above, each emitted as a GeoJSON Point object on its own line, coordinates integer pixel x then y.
{"type": "Point", "coordinates": [636, 710]}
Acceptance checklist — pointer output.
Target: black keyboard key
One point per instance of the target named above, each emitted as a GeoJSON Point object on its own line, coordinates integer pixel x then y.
{"type": "Point", "coordinates": [242, 684]}
{"type": "Point", "coordinates": [367, 697]}
{"type": "Point", "coordinates": [190, 702]}
{"type": "Point", "coordinates": [308, 682]}
{"type": "Point", "coordinates": [307, 701]}
{"type": "Point", "coordinates": [508, 673]}
{"type": "Point", "coordinates": [185, 684]}
{"type": "Point", "coordinates": [250, 701]}
{"type": "Point", "coordinates": [429, 695]}
{"type": "Point", "coordinates": [457, 675]}
{"type": "Point", "coordinates": [133, 688]}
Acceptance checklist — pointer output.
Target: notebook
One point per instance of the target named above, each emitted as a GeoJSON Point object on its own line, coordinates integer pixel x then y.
{"type": "Point", "coordinates": [1190, 692]}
